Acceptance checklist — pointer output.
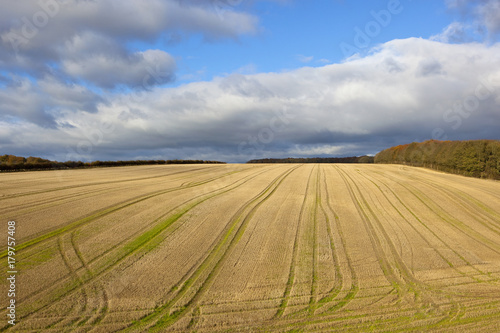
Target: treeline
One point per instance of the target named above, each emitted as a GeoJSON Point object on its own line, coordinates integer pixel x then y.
{"type": "Point", "coordinates": [352, 159]}
{"type": "Point", "coordinates": [17, 163]}
{"type": "Point", "coordinates": [477, 158]}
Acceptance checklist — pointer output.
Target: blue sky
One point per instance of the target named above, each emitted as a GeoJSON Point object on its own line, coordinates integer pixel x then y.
{"type": "Point", "coordinates": [295, 33]}
{"type": "Point", "coordinates": [235, 80]}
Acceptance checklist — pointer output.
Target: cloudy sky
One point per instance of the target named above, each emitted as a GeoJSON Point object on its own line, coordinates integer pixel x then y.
{"type": "Point", "coordinates": [234, 80]}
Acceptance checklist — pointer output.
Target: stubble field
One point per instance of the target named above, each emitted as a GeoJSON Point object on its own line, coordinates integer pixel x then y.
{"type": "Point", "coordinates": [238, 248]}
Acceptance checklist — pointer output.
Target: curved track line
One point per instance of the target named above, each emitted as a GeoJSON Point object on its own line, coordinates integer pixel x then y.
{"type": "Point", "coordinates": [428, 229]}
{"type": "Point", "coordinates": [16, 195]}
{"type": "Point", "coordinates": [291, 274]}
{"type": "Point", "coordinates": [126, 203]}
{"type": "Point", "coordinates": [162, 316]}
{"type": "Point", "coordinates": [387, 268]}
{"type": "Point", "coordinates": [146, 237]}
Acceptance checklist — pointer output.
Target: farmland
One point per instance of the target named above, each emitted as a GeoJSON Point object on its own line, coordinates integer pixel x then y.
{"type": "Point", "coordinates": [255, 247]}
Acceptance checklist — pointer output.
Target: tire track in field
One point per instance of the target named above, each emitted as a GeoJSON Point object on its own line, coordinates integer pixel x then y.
{"type": "Point", "coordinates": [488, 219]}
{"type": "Point", "coordinates": [400, 228]}
{"type": "Point", "coordinates": [448, 246]}
{"type": "Point", "coordinates": [269, 306]}
{"type": "Point", "coordinates": [378, 251]}
{"type": "Point", "coordinates": [426, 290]}
{"type": "Point", "coordinates": [26, 208]}
{"type": "Point", "coordinates": [103, 212]}
{"type": "Point", "coordinates": [386, 318]}
{"type": "Point", "coordinates": [450, 318]}
{"type": "Point", "coordinates": [99, 291]}
{"type": "Point", "coordinates": [163, 316]}
{"type": "Point", "coordinates": [195, 319]}
{"type": "Point", "coordinates": [315, 266]}
{"type": "Point", "coordinates": [489, 215]}
{"type": "Point", "coordinates": [392, 226]}
{"type": "Point", "coordinates": [314, 303]}
{"type": "Point", "coordinates": [77, 312]}
{"type": "Point", "coordinates": [466, 181]}
{"type": "Point", "coordinates": [291, 274]}
{"type": "Point", "coordinates": [339, 279]}
{"type": "Point", "coordinates": [422, 237]}
{"type": "Point", "coordinates": [311, 324]}
{"type": "Point", "coordinates": [224, 189]}
{"type": "Point", "coordinates": [313, 217]}
{"type": "Point", "coordinates": [164, 216]}
{"type": "Point", "coordinates": [69, 187]}
{"type": "Point", "coordinates": [408, 277]}
{"type": "Point", "coordinates": [410, 283]}
{"type": "Point", "coordinates": [122, 256]}
{"type": "Point", "coordinates": [469, 203]}
{"type": "Point", "coordinates": [139, 242]}
{"type": "Point", "coordinates": [385, 265]}
{"type": "Point", "coordinates": [76, 309]}
{"type": "Point", "coordinates": [36, 239]}
{"type": "Point", "coordinates": [353, 277]}
{"type": "Point", "coordinates": [62, 318]}
{"type": "Point", "coordinates": [238, 216]}
{"type": "Point", "coordinates": [439, 212]}
{"type": "Point", "coordinates": [458, 308]}
{"type": "Point", "coordinates": [419, 288]}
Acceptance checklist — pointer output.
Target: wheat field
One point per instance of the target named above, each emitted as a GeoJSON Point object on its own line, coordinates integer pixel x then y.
{"type": "Point", "coordinates": [260, 248]}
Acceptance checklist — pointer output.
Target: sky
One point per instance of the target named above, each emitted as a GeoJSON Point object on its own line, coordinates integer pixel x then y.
{"type": "Point", "coordinates": [234, 80]}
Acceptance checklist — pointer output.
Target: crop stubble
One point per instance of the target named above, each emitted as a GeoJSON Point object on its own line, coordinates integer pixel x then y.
{"type": "Point", "coordinates": [261, 247]}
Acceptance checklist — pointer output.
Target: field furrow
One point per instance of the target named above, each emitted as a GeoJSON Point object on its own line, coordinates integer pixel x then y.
{"type": "Point", "coordinates": [262, 248]}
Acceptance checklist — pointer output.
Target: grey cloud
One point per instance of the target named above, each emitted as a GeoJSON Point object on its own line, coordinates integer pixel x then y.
{"type": "Point", "coordinates": [245, 86]}
{"type": "Point", "coordinates": [490, 12]}
{"type": "Point", "coordinates": [393, 66]}
{"type": "Point", "coordinates": [140, 70]}
{"type": "Point", "coordinates": [481, 17]}
{"type": "Point", "coordinates": [105, 63]}
{"type": "Point", "coordinates": [356, 107]}
{"type": "Point", "coordinates": [22, 102]}
{"type": "Point", "coordinates": [41, 103]}
{"type": "Point", "coordinates": [124, 20]}
{"type": "Point", "coordinates": [132, 114]}
{"type": "Point", "coordinates": [70, 97]}
{"type": "Point", "coordinates": [429, 67]}
{"type": "Point", "coordinates": [83, 38]}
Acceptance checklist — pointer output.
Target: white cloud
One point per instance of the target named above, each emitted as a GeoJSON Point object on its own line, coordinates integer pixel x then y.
{"type": "Point", "coordinates": [400, 92]}
{"type": "Point", "coordinates": [305, 59]}
{"type": "Point", "coordinates": [456, 32]}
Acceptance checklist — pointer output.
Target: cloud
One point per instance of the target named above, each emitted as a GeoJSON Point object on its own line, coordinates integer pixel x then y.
{"type": "Point", "coordinates": [400, 92]}
{"type": "Point", "coordinates": [490, 13]}
{"type": "Point", "coordinates": [122, 20]}
{"type": "Point", "coordinates": [305, 59]}
{"type": "Point", "coordinates": [480, 20]}
{"type": "Point", "coordinates": [136, 70]}
{"type": "Point", "coordinates": [456, 32]}
{"type": "Point", "coordinates": [90, 40]}
{"type": "Point", "coordinates": [46, 102]}
{"type": "Point", "coordinates": [430, 67]}
{"type": "Point", "coordinates": [23, 102]}
{"type": "Point", "coordinates": [323, 61]}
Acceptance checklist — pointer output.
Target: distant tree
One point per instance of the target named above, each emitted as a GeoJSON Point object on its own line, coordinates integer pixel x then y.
{"type": "Point", "coordinates": [16, 163]}
{"type": "Point", "coordinates": [478, 158]}
{"type": "Point", "coordinates": [352, 159]}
